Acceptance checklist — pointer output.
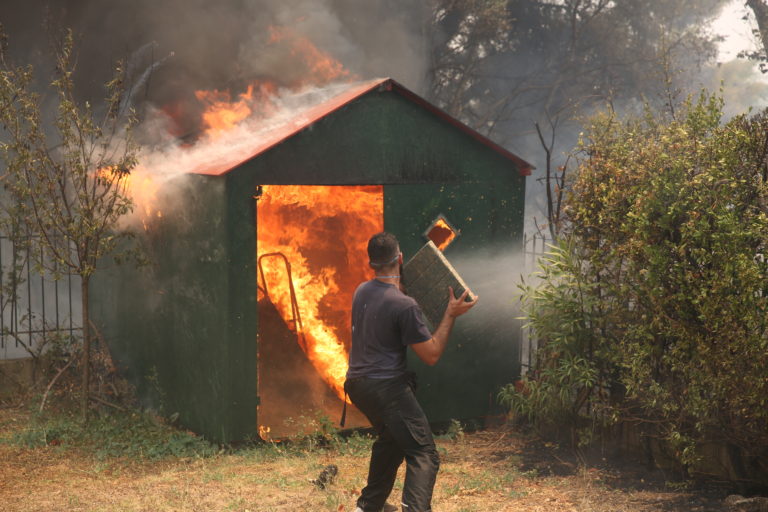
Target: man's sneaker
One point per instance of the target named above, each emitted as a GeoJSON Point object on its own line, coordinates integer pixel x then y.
{"type": "Point", "coordinates": [387, 508]}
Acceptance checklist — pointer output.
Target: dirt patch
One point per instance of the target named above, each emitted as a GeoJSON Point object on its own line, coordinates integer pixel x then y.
{"type": "Point", "coordinates": [494, 470]}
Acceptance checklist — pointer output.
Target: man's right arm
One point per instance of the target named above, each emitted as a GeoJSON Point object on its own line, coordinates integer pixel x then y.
{"type": "Point", "coordinates": [430, 351]}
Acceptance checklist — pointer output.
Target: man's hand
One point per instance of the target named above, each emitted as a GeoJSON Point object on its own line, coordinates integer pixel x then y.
{"type": "Point", "coordinates": [458, 306]}
{"type": "Point", "coordinates": [430, 351]}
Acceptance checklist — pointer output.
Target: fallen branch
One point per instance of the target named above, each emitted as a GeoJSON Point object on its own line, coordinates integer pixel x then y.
{"type": "Point", "coordinates": [53, 381]}
{"type": "Point", "coordinates": [104, 402]}
{"type": "Point", "coordinates": [497, 441]}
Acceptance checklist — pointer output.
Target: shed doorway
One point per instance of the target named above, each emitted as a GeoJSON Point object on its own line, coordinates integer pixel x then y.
{"type": "Point", "coordinates": [311, 255]}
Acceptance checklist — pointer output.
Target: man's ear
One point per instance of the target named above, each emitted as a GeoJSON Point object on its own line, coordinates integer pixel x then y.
{"type": "Point", "coordinates": [400, 259]}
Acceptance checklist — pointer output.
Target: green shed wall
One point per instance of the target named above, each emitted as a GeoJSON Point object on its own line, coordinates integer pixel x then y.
{"type": "Point", "coordinates": [379, 138]}
{"type": "Point", "coordinates": [483, 352]}
{"type": "Point", "coordinates": [429, 167]}
{"type": "Point", "coordinates": [184, 328]}
{"type": "Point", "coordinates": [169, 324]}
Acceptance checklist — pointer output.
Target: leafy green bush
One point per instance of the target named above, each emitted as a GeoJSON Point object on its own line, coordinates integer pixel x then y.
{"type": "Point", "coordinates": [571, 377]}
{"type": "Point", "coordinates": [653, 307]}
{"type": "Point", "coordinates": [115, 434]}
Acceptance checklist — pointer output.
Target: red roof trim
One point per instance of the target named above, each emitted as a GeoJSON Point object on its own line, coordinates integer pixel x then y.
{"type": "Point", "coordinates": [309, 117]}
{"type": "Point", "coordinates": [525, 167]}
{"type": "Point", "coordinates": [326, 108]}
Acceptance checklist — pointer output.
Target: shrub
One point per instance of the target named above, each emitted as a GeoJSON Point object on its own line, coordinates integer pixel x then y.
{"type": "Point", "coordinates": [653, 307]}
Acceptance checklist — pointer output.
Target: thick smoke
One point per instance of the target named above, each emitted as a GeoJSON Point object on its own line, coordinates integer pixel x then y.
{"type": "Point", "coordinates": [222, 44]}
{"type": "Point", "coordinates": [174, 48]}
{"type": "Point", "coordinates": [166, 161]}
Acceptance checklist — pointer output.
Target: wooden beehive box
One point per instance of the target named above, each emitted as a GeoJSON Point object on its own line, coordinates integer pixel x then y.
{"type": "Point", "coordinates": [427, 276]}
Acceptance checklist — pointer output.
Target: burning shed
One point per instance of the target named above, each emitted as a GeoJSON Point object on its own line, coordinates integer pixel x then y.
{"type": "Point", "coordinates": [242, 319]}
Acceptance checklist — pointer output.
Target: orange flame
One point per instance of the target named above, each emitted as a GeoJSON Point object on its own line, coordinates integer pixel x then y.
{"type": "Point", "coordinates": [222, 113]}
{"type": "Point", "coordinates": [323, 232]}
{"type": "Point", "coordinates": [316, 68]}
{"type": "Point", "coordinates": [321, 68]}
{"type": "Point", "coordinates": [441, 234]}
{"type": "Point", "coordinates": [143, 189]}
{"type": "Point", "coordinates": [138, 186]}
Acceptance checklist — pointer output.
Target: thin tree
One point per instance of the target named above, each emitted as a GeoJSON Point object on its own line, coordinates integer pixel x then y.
{"type": "Point", "coordinates": [67, 176]}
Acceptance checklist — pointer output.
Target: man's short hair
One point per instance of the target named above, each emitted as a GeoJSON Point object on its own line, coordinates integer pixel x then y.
{"type": "Point", "coordinates": [383, 249]}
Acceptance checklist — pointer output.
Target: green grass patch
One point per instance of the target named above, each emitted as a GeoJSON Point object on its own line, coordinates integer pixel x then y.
{"type": "Point", "coordinates": [143, 436]}
{"type": "Point", "coordinates": [112, 435]}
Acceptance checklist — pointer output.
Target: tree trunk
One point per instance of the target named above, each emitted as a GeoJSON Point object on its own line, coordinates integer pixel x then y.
{"type": "Point", "coordinates": [760, 8]}
{"type": "Point", "coordinates": [86, 359]}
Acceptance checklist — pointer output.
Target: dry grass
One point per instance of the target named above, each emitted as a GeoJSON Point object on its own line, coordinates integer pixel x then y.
{"type": "Point", "coordinates": [497, 470]}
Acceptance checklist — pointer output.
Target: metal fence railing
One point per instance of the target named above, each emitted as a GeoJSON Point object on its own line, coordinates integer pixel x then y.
{"type": "Point", "coordinates": [534, 246]}
{"type": "Point", "coordinates": [34, 307]}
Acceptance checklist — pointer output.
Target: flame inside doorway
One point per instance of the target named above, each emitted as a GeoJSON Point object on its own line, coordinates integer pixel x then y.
{"type": "Point", "coordinates": [311, 251]}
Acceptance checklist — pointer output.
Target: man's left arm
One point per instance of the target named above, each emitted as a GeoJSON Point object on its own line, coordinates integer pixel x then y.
{"type": "Point", "coordinates": [431, 350]}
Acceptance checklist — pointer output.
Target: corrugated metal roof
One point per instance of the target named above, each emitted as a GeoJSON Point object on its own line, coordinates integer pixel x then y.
{"type": "Point", "coordinates": [306, 117]}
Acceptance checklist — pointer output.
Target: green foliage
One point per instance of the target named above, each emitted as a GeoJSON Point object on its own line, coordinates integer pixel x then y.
{"type": "Point", "coordinates": [454, 432]}
{"type": "Point", "coordinates": [66, 178]}
{"type": "Point", "coordinates": [67, 181]}
{"type": "Point", "coordinates": [127, 434]}
{"type": "Point", "coordinates": [653, 307]}
{"type": "Point", "coordinates": [318, 432]}
{"type": "Point", "coordinates": [357, 444]}
{"type": "Point", "coordinates": [578, 55]}
{"type": "Point", "coordinates": [133, 434]}
{"type": "Point", "coordinates": [570, 381]}
{"type": "Point", "coordinates": [313, 431]}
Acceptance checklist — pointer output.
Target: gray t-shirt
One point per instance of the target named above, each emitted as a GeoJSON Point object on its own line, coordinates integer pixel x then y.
{"type": "Point", "coordinates": [384, 322]}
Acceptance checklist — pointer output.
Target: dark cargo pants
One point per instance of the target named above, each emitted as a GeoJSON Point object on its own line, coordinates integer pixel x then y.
{"type": "Point", "coordinates": [404, 433]}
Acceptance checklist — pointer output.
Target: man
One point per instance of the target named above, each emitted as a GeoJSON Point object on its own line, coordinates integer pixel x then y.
{"type": "Point", "coordinates": [385, 322]}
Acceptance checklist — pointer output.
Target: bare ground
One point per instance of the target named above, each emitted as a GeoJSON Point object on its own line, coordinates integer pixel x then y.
{"type": "Point", "coordinates": [493, 470]}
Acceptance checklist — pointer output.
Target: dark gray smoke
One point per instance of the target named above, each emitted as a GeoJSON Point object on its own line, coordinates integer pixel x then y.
{"type": "Point", "coordinates": [175, 47]}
